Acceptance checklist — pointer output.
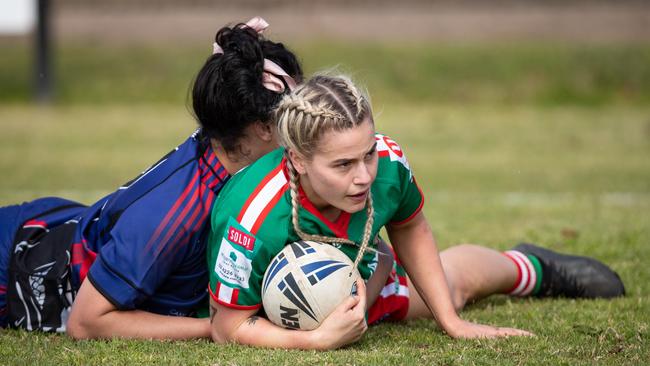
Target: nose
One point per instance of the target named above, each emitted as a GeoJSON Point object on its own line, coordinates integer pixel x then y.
{"type": "Point", "coordinates": [362, 175]}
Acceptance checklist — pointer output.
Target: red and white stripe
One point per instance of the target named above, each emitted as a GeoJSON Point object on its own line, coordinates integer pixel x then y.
{"type": "Point", "coordinates": [227, 294]}
{"type": "Point", "coordinates": [35, 224]}
{"type": "Point", "coordinates": [395, 288]}
{"type": "Point", "coordinates": [265, 196]}
{"type": "Point", "coordinates": [526, 275]}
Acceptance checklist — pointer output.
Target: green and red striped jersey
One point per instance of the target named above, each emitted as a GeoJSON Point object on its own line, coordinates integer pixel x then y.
{"type": "Point", "coordinates": [251, 221]}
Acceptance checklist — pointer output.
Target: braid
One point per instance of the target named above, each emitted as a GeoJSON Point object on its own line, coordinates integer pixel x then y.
{"type": "Point", "coordinates": [301, 105]}
{"type": "Point", "coordinates": [367, 230]}
{"type": "Point", "coordinates": [357, 97]}
{"type": "Point", "coordinates": [323, 104]}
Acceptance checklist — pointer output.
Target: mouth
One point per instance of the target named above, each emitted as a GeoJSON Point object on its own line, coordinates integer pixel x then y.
{"type": "Point", "coordinates": [359, 197]}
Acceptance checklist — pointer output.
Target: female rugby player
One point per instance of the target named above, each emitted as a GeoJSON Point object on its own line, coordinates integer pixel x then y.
{"type": "Point", "coordinates": [336, 180]}
{"type": "Point", "coordinates": [133, 264]}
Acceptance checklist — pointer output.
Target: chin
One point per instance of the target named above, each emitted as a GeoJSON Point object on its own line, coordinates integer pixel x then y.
{"type": "Point", "coordinates": [355, 208]}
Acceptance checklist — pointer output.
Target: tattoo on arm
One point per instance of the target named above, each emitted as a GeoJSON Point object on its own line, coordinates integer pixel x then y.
{"type": "Point", "coordinates": [252, 320]}
{"type": "Point", "coordinates": [213, 312]}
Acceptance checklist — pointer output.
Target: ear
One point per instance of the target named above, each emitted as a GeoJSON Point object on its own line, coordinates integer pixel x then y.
{"type": "Point", "coordinates": [264, 131]}
{"type": "Point", "coordinates": [297, 161]}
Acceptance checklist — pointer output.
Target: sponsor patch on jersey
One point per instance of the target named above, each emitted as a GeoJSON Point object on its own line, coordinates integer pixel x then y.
{"type": "Point", "coordinates": [393, 146]}
{"type": "Point", "coordinates": [234, 264]}
{"type": "Point", "coordinates": [233, 267]}
{"type": "Point", "coordinates": [387, 147]}
{"type": "Point", "coordinates": [240, 238]}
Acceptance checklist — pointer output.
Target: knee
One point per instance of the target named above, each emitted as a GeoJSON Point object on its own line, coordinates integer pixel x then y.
{"type": "Point", "coordinates": [458, 296]}
{"type": "Point", "coordinates": [461, 286]}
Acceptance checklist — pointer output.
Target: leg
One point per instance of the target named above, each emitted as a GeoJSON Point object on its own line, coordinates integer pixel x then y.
{"type": "Point", "coordinates": [473, 272]}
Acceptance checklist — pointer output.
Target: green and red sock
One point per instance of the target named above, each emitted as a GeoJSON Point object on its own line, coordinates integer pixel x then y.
{"type": "Point", "coordinates": [529, 274]}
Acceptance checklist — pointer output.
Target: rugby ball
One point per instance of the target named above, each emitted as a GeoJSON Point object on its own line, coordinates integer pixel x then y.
{"type": "Point", "coordinates": [305, 282]}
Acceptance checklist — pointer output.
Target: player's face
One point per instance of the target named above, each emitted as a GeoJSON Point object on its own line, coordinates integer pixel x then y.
{"type": "Point", "coordinates": [339, 175]}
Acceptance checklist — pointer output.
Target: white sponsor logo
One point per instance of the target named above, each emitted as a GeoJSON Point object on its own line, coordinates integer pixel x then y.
{"type": "Point", "coordinates": [395, 152]}
{"type": "Point", "coordinates": [19, 322]}
{"type": "Point", "coordinates": [232, 265]}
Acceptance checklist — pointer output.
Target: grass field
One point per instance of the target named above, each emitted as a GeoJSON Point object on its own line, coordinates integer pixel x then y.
{"type": "Point", "coordinates": [509, 142]}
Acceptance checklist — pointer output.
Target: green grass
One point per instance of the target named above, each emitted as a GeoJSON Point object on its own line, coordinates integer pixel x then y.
{"type": "Point", "coordinates": [509, 161]}
{"type": "Point", "coordinates": [546, 74]}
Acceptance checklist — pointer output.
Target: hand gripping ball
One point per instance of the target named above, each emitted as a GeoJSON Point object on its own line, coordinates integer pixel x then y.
{"type": "Point", "coordinates": [305, 282]}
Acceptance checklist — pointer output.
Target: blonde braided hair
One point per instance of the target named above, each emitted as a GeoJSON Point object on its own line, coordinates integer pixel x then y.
{"type": "Point", "coordinates": [323, 104]}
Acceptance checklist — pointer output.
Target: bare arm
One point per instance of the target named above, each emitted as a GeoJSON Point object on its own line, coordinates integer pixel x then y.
{"type": "Point", "coordinates": [417, 250]}
{"type": "Point", "coordinates": [93, 316]}
{"type": "Point", "coordinates": [378, 279]}
{"type": "Point", "coordinates": [345, 325]}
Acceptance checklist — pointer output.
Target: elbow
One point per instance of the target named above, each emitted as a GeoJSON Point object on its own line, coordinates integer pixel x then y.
{"type": "Point", "coordinates": [218, 336]}
{"type": "Point", "coordinates": [81, 327]}
{"type": "Point", "coordinates": [77, 330]}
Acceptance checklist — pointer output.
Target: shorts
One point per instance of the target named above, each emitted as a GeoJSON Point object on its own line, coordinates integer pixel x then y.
{"type": "Point", "coordinates": [17, 222]}
{"type": "Point", "coordinates": [392, 304]}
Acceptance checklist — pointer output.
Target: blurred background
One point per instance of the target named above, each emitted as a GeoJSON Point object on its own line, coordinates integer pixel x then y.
{"type": "Point", "coordinates": [517, 116]}
{"type": "Point", "coordinates": [522, 120]}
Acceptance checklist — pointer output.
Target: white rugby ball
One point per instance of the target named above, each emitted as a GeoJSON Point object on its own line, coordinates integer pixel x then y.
{"type": "Point", "coordinates": [305, 282]}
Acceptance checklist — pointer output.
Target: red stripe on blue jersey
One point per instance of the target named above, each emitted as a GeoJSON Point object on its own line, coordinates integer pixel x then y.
{"type": "Point", "coordinates": [195, 207]}
{"type": "Point", "coordinates": [164, 224]}
{"type": "Point", "coordinates": [35, 223]}
{"type": "Point", "coordinates": [82, 258]}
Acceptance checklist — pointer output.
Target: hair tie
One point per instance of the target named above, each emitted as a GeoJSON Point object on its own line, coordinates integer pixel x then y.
{"type": "Point", "coordinates": [273, 75]}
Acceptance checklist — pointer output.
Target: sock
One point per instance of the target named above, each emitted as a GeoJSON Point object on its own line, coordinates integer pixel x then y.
{"type": "Point", "coordinates": [529, 274]}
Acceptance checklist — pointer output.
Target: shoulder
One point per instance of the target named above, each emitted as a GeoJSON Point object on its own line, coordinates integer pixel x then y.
{"type": "Point", "coordinates": [167, 188]}
{"type": "Point", "coordinates": [252, 192]}
{"type": "Point", "coordinates": [392, 158]}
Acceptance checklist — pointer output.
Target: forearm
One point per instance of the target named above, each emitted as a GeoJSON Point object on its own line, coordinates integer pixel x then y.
{"type": "Point", "coordinates": [418, 253]}
{"type": "Point", "coordinates": [244, 327]}
{"type": "Point", "coordinates": [260, 332]}
{"type": "Point", "coordinates": [93, 316]}
{"type": "Point", "coordinates": [139, 324]}
{"type": "Point", "coordinates": [345, 325]}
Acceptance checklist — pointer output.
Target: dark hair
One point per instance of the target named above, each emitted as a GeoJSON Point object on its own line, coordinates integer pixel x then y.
{"type": "Point", "coordinates": [228, 95]}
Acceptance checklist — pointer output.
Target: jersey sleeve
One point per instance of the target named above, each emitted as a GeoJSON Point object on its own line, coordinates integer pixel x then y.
{"type": "Point", "coordinates": [249, 227]}
{"type": "Point", "coordinates": [147, 244]}
{"type": "Point", "coordinates": [411, 199]}
{"type": "Point", "coordinates": [236, 264]}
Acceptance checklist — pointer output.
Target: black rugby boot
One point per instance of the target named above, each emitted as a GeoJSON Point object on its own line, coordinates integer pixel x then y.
{"type": "Point", "coordinates": [573, 276]}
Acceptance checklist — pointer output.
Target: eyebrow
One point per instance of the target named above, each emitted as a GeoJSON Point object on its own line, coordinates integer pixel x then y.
{"type": "Point", "coordinates": [345, 160]}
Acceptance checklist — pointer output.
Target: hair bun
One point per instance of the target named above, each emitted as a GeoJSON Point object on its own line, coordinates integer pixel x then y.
{"type": "Point", "coordinates": [242, 42]}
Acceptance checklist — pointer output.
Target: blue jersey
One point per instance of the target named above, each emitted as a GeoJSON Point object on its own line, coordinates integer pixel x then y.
{"type": "Point", "coordinates": [143, 246]}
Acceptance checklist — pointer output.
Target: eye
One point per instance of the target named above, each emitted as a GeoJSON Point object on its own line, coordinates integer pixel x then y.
{"type": "Point", "coordinates": [370, 154]}
{"type": "Point", "coordinates": [343, 164]}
